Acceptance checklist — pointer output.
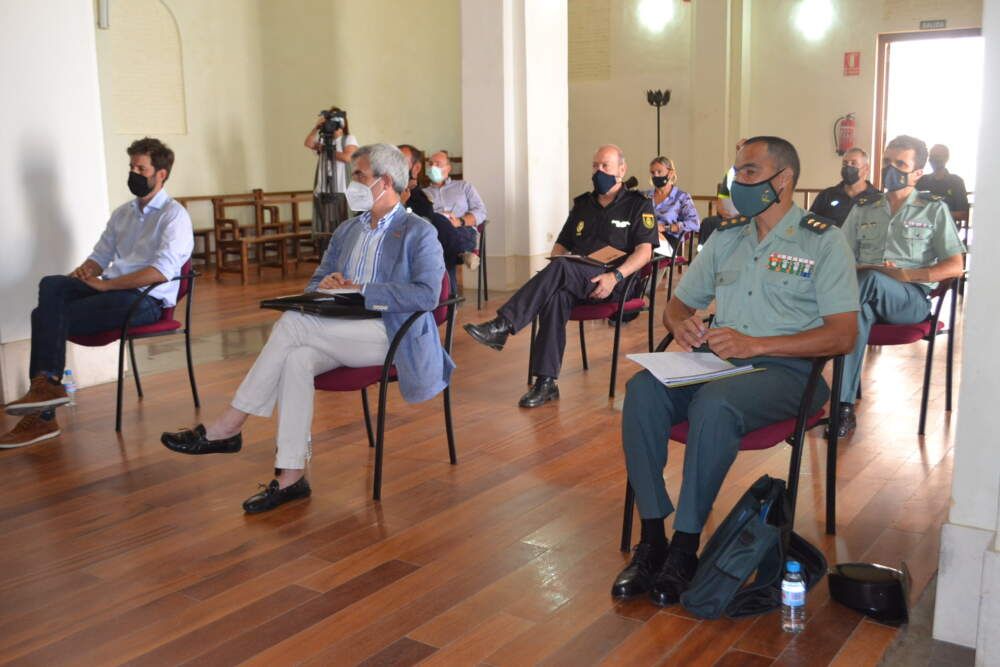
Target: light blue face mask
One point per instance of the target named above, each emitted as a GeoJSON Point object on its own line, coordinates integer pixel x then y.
{"type": "Point", "coordinates": [752, 199]}
{"type": "Point", "coordinates": [436, 174]}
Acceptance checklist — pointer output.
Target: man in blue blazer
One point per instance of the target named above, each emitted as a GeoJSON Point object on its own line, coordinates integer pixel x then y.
{"type": "Point", "coordinates": [394, 259]}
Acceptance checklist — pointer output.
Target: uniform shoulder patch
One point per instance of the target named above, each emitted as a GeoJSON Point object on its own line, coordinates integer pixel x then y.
{"type": "Point", "coordinates": [867, 200]}
{"type": "Point", "coordinates": [816, 223]}
{"type": "Point", "coordinates": [648, 220]}
{"type": "Point", "coordinates": [733, 223]}
{"type": "Point", "coordinates": [925, 195]}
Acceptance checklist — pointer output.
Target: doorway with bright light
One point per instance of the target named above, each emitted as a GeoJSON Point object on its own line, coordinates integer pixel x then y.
{"type": "Point", "coordinates": [930, 87]}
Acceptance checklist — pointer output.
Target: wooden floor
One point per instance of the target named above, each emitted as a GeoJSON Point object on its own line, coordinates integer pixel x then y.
{"type": "Point", "coordinates": [119, 551]}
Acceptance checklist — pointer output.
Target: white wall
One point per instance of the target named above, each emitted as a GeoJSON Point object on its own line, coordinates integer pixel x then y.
{"type": "Point", "coordinates": [969, 584]}
{"type": "Point", "coordinates": [52, 174]}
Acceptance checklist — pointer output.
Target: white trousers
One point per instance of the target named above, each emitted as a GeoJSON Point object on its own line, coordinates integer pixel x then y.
{"type": "Point", "coordinates": [299, 348]}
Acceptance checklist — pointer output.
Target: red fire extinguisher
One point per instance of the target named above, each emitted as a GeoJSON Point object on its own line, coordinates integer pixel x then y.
{"type": "Point", "coordinates": [843, 133]}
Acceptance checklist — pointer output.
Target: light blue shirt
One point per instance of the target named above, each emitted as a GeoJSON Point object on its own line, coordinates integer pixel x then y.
{"type": "Point", "coordinates": [457, 198]}
{"type": "Point", "coordinates": [159, 236]}
{"type": "Point", "coordinates": [367, 251]}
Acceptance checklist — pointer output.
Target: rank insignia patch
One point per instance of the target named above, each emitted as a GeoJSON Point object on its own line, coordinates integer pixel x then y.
{"type": "Point", "coordinates": [579, 228]}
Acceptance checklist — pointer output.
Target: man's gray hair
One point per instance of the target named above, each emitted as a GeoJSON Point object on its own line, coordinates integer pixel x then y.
{"type": "Point", "coordinates": [860, 152]}
{"type": "Point", "coordinates": [385, 159]}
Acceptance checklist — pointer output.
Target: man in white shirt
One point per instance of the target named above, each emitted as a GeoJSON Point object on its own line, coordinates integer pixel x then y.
{"type": "Point", "coordinates": [146, 242]}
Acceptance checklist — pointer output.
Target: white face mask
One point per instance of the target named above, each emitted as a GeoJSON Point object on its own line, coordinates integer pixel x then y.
{"type": "Point", "coordinates": [359, 196]}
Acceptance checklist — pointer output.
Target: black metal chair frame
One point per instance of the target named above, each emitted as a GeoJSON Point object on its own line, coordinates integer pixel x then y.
{"type": "Point", "coordinates": [629, 289]}
{"type": "Point", "coordinates": [795, 440]}
{"type": "Point", "coordinates": [654, 280]}
{"type": "Point", "coordinates": [482, 286]}
{"type": "Point", "coordinates": [377, 439]}
{"type": "Point", "coordinates": [126, 337]}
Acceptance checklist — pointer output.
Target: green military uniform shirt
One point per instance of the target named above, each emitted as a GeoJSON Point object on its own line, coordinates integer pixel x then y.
{"type": "Point", "coordinates": [782, 285]}
{"type": "Point", "coordinates": [920, 234]}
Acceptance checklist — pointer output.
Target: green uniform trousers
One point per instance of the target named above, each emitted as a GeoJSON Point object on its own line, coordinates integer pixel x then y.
{"type": "Point", "coordinates": [883, 299]}
{"type": "Point", "coordinates": [719, 414]}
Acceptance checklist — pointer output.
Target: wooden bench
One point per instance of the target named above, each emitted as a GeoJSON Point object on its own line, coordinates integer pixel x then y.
{"type": "Point", "coordinates": [242, 246]}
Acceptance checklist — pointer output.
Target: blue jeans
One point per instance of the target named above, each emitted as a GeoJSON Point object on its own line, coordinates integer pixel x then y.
{"type": "Point", "coordinates": [70, 307]}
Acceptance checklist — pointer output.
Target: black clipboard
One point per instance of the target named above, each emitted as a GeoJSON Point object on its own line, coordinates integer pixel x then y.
{"type": "Point", "coordinates": [324, 305]}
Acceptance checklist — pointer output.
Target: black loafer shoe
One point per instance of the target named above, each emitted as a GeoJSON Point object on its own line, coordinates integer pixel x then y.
{"type": "Point", "coordinates": [491, 334]}
{"type": "Point", "coordinates": [271, 496]}
{"type": "Point", "coordinates": [193, 441]}
{"type": "Point", "coordinates": [543, 391]}
{"type": "Point", "coordinates": [848, 422]}
{"type": "Point", "coordinates": [673, 578]}
{"type": "Point", "coordinates": [640, 574]}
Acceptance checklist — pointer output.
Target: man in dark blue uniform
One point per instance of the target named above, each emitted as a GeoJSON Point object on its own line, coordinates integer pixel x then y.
{"type": "Point", "coordinates": [945, 184]}
{"type": "Point", "coordinates": [611, 215]}
{"type": "Point", "coordinates": [837, 201]}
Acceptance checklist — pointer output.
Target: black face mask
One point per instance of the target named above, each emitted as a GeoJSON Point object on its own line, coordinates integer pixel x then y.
{"type": "Point", "coordinates": [850, 174]}
{"type": "Point", "coordinates": [603, 182]}
{"type": "Point", "coordinates": [138, 185]}
{"type": "Point", "coordinates": [660, 181]}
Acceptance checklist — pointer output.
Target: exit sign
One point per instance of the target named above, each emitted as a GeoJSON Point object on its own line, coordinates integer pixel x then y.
{"type": "Point", "coordinates": [936, 24]}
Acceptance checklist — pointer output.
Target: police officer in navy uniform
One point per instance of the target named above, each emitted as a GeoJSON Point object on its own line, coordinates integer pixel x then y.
{"type": "Point", "coordinates": [945, 184]}
{"type": "Point", "coordinates": [785, 289]}
{"type": "Point", "coordinates": [611, 215]}
{"type": "Point", "coordinates": [905, 243]}
{"type": "Point", "coordinates": [836, 202]}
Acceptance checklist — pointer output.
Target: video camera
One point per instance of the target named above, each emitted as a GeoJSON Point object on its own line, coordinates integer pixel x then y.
{"type": "Point", "coordinates": [333, 120]}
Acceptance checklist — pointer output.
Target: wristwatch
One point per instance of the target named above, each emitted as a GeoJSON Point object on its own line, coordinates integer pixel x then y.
{"type": "Point", "coordinates": [618, 275]}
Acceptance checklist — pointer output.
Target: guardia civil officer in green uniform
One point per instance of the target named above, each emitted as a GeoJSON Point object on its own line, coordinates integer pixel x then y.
{"type": "Point", "coordinates": [785, 289]}
{"type": "Point", "coordinates": [610, 215]}
{"type": "Point", "coordinates": [909, 243]}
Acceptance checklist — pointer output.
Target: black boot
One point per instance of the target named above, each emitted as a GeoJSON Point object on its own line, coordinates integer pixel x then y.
{"type": "Point", "coordinates": [640, 574]}
{"type": "Point", "coordinates": [491, 334]}
{"type": "Point", "coordinates": [543, 391]}
{"type": "Point", "coordinates": [848, 422]}
{"type": "Point", "coordinates": [673, 578]}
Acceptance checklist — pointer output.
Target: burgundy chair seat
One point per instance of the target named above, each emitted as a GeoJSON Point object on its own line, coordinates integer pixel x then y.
{"type": "Point", "coordinates": [600, 311]}
{"type": "Point", "coordinates": [111, 335]}
{"type": "Point", "coordinates": [351, 379]}
{"type": "Point", "coordinates": [667, 261]}
{"type": "Point", "coordinates": [901, 334]}
{"type": "Point", "coordinates": [762, 438]}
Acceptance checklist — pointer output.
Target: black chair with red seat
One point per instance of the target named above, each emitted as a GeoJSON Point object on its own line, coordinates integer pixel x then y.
{"type": "Point", "coordinates": [359, 379]}
{"type": "Point", "coordinates": [165, 326]}
{"type": "Point", "coordinates": [791, 431]}
{"type": "Point", "coordinates": [665, 264]}
{"type": "Point", "coordinates": [629, 301]}
{"type": "Point", "coordinates": [928, 330]}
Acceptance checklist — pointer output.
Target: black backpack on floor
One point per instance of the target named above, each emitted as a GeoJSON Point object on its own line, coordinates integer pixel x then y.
{"type": "Point", "coordinates": [756, 538]}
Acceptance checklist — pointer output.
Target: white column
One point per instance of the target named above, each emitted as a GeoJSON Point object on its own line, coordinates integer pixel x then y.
{"type": "Point", "coordinates": [710, 74]}
{"type": "Point", "coordinates": [967, 609]}
{"type": "Point", "coordinates": [52, 172]}
{"type": "Point", "coordinates": [515, 127]}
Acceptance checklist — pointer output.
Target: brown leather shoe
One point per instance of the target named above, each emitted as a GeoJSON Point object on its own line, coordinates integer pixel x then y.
{"type": "Point", "coordinates": [28, 431]}
{"type": "Point", "coordinates": [42, 395]}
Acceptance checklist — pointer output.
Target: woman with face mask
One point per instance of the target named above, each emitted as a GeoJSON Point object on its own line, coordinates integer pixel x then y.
{"type": "Point", "coordinates": [674, 208]}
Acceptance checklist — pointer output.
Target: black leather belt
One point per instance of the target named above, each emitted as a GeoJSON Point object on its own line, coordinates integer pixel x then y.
{"type": "Point", "coordinates": [875, 590]}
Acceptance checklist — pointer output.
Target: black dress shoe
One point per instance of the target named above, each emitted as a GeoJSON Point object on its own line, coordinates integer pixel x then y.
{"type": "Point", "coordinates": [848, 422]}
{"type": "Point", "coordinates": [640, 574]}
{"type": "Point", "coordinates": [491, 334]}
{"type": "Point", "coordinates": [543, 391]}
{"type": "Point", "coordinates": [673, 578]}
{"type": "Point", "coordinates": [193, 441]}
{"type": "Point", "coordinates": [271, 496]}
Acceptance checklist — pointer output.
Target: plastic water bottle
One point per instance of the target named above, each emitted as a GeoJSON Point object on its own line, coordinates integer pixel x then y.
{"type": "Point", "coordinates": [69, 384]}
{"type": "Point", "coordinates": [793, 598]}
